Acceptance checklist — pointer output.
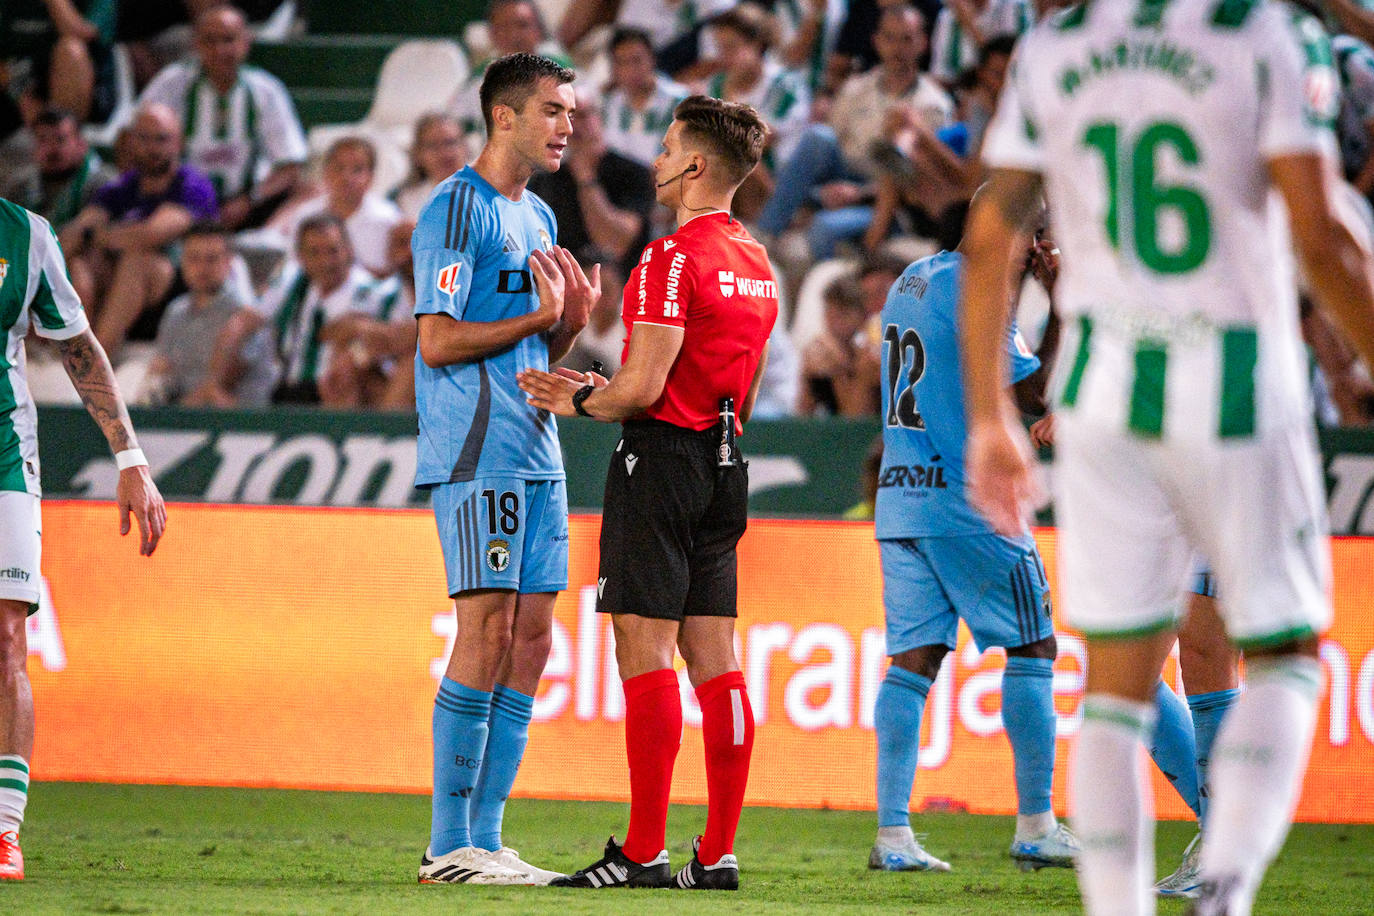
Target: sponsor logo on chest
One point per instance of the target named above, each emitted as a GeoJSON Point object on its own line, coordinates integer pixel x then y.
{"type": "Point", "coordinates": [746, 286]}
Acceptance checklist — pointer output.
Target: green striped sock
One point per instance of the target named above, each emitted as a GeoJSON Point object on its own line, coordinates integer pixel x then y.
{"type": "Point", "coordinates": [14, 791]}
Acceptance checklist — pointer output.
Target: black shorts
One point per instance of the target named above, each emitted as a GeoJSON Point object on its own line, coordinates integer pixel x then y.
{"type": "Point", "coordinates": [669, 525]}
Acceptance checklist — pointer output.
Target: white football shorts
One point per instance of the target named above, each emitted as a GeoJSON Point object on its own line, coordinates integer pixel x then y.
{"type": "Point", "coordinates": [1133, 512]}
{"type": "Point", "coordinates": [21, 534]}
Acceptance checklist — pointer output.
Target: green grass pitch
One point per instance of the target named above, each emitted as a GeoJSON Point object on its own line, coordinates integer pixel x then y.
{"type": "Point", "coordinates": [160, 849]}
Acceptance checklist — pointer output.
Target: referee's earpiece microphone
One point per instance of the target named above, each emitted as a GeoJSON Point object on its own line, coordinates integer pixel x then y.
{"type": "Point", "coordinates": [690, 168]}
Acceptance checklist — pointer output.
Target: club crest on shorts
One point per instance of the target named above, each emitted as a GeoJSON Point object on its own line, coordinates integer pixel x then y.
{"type": "Point", "coordinates": [447, 281]}
{"type": "Point", "coordinates": [498, 555]}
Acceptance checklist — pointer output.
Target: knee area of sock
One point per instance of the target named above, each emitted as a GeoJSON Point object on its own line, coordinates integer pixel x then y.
{"type": "Point", "coordinates": [1047, 648]}
{"type": "Point", "coordinates": [923, 661]}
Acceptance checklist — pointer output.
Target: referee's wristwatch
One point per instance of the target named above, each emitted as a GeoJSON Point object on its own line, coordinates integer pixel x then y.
{"type": "Point", "coordinates": [581, 395]}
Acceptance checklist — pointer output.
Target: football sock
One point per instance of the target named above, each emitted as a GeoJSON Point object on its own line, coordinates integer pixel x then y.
{"type": "Point", "coordinates": [1208, 710]}
{"type": "Point", "coordinates": [1257, 768]}
{"type": "Point", "coordinates": [460, 738]}
{"type": "Point", "coordinates": [897, 724]}
{"type": "Point", "coordinates": [1112, 810]}
{"type": "Point", "coordinates": [14, 791]}
{"type": "Point", "coordinates": [727, 730]}
{"type": "Point", "coordinates": [508, 731]}
{"type": "Point", "coordinates": [1172, 748]}
{"type": "Point", "coordinates": [1028, 717]}
{"type": "Point", "coordinates": [653, 732]}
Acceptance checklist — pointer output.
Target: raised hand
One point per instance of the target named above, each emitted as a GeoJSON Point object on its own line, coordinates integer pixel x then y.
{"type": "Point", "coordinates": [549, 391]}
{"type": "Point", "coordinates": [581, 292]}
{"type": "Point", "coordinates": [549, 282]}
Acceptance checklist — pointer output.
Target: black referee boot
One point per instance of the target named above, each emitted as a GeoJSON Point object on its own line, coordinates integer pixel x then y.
{"type": "Point", "coordinates": [723, 876]}
{"type": "Point", "coordinates": [615, 870]}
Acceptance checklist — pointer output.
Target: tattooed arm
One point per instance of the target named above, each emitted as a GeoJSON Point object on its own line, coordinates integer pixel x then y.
{"type": "Point", "coordinates": [90, 372]}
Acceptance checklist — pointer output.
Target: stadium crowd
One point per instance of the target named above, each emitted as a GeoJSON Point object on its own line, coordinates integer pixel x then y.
{"type": "Point", "coordinates": [229, 258]}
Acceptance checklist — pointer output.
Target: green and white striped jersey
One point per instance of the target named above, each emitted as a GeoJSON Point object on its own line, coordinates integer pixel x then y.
{"type": "Point", "coordinates": [1152, 124]}
{"type": "Point", "coordinates": [782, 97]}
{"type": "Point", "coordinates": [238, 138]}
{"type": "Point", "coordinates": [36, 295]}
{"type": "Point", "coordinates": [638, 133]}
{"type": "Point", "coordinates": [952, 49]}
{"type": "Point", "coordinates": [297, 313]}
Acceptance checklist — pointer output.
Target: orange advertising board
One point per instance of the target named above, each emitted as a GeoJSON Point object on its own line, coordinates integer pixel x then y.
{"type": "Point", "coordinates": [274, 646]}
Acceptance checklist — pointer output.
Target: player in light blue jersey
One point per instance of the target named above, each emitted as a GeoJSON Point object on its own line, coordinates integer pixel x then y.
{"type": "Point", "coordinates": [942, 561]}
{"type": "Point", "coordinates": [494, 296]}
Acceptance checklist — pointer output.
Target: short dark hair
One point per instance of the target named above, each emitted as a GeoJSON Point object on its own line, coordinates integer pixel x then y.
{"type": "Point", "coordinates": [208, 228]}
{"type": "Point", "coordinates": [320, 222]}
{"type": "Point", "coordinates": [751, 22]}
{"type": "Point", "coordinates": [511, 80]}
{"type": "Point", "coordinates": [844, 292]}
{"type": "Point", "coordinates": [53, 116]}
{"type": "Point", "coordinates": [629, 35]}
{"type": "Point", "coordinates": [732, 131]}
{"type": "Point", "coordinates": [997, 44]}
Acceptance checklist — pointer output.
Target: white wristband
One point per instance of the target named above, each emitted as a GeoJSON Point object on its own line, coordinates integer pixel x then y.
{"type": "Point", "coordinates": [130, 458]}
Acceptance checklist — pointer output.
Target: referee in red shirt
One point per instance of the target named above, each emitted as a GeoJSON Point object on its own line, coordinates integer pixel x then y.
{"type": "Point", "coordinates": [698, 310]}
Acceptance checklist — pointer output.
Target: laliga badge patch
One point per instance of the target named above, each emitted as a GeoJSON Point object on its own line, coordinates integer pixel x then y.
{"type": "Point", "coordinates": [447, 281]}
{"type": "Point", "coordinates": [498, 555]}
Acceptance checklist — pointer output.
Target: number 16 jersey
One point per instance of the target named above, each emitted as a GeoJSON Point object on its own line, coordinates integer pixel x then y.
{"type": "Point", "coordinates": [1152, 123]}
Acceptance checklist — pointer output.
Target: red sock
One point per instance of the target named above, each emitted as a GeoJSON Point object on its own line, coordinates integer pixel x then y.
{"type": "Point", "coordinates": [727, 727]}
{"type": "Point", "coordinates": [653, 731]}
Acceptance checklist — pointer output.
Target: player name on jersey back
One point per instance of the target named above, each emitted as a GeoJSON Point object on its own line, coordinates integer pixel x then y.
{"type": "Point", "coordinates": [1152, 124]}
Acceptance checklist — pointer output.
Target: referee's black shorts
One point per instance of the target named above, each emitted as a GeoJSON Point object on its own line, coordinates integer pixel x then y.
{"type": "Point", "coordinates": [669, 525]}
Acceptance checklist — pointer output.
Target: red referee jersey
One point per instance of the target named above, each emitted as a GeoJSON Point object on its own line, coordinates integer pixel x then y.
{"type": "Point", "coordinates": [711, 279]}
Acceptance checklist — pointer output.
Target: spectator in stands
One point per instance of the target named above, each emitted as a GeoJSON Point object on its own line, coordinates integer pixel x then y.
{"type": "Point", "coordinates": [839, 369]}
{"type": "Point", "coordinates": [350, 165]}
{"type": "Point", "coordinates": [119, 248]}
{"type": "Point", "coordinates": [639, 99]}
{"type": "Point", "coordinates": [513, 27]}
{"type": "Point", "coordinates": [436, 152]}
{"type": "Point", "coordinates": [373, 362]}
{"type": "Point", "coordinates": [673, 26]}
{"type": "Point", "coordinates": [779, 389]}
{"type": "Point", "coordinates": [930, 176]}
{"type": "Point", "coordinates": [744, 38]}
{"type": "Point", "coordinates": [308, 311]}
{"type": "Point", "coordinates": [601, 200]}
{"type": "Point", "coordinates": [854, 48]}
{"type": "Point", "coordinates": [603, 339]}
{"type": "Point", "coordinates": [833, 166]}
{"type": "Point", "coordinates": [809, 31]}
{"type": "Point", "coordinates": [1355, 123]}
{"type": "Point", "coordinates": [64, 174]}
{"type": "Point", "coordinates": [240, 125]}
{"type": "Point", "coordinates": [964, 27]}
{"type": "Point", "coordinates": [186, 337]}
{"type": "Point", "coordinates": [70, 47]}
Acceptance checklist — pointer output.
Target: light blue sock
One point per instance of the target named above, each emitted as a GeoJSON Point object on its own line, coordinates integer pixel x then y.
{"type": "Point", "coordinates": [510, 732]}
{"type": "Point", "coordinates": [1172, 748]}
{"type": "Point", "coordinates": [1028, 717]}
{"type": "Point", "coordinates": [897, 722]}
{"type": "Point", "coordinates": [1208, 710]}
{"type": "Point", "coordinates": [460, 738]}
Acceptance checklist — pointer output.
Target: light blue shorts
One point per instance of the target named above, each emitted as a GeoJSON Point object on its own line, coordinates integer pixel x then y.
{"type": "Point", "coordinates": [503, 532]}
{"type": "Point", "coordinates": [996, 584]}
